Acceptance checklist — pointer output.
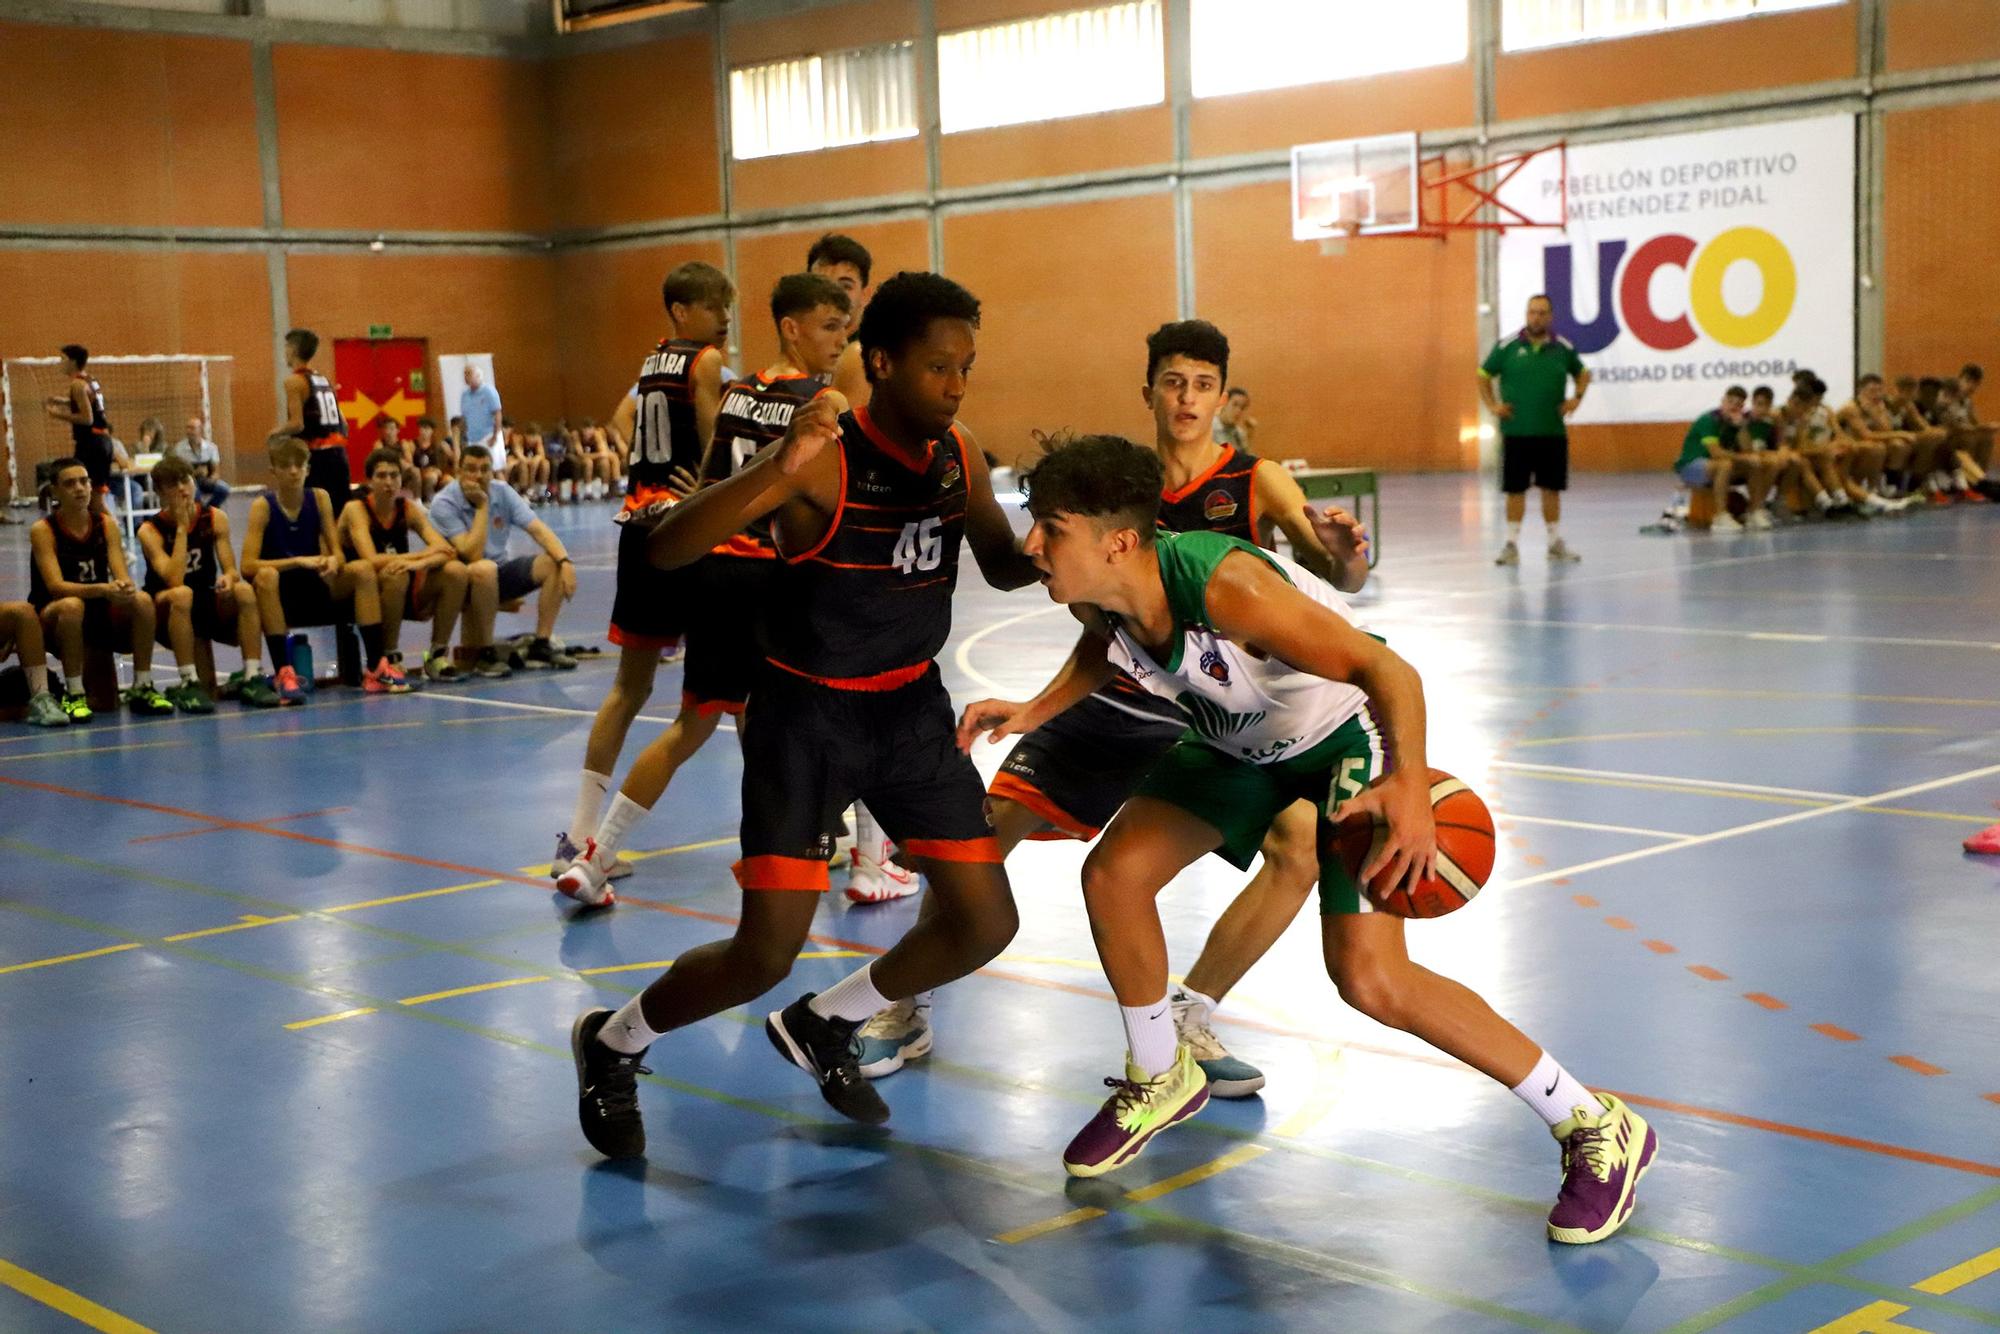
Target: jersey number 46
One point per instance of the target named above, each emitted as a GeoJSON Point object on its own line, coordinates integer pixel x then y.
{"type": "Point", "coordinates": [920, 547]}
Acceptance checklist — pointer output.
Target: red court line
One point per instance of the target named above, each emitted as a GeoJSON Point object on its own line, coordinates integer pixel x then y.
{"type": "Point", "coordinates": [1768, 1002]}
{"type": "Point", "coordinates": [1660, 947]}
{"type": "Point", "coordinates": [246, 826]}
{"type": "Point", "coordinates": [1836, 1032]}
{"type": "Point", "coordinates": [1642, 1100]}
{"type": "Point", "coordinates": [1917, 1066]}
{"type": "Point", "coordinates": [197, 833]}
{"type": "Point", "coordinates": [1712, 974]}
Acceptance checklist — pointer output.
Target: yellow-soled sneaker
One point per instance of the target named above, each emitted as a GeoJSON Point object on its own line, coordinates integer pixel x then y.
{"type": "Point", "coordinates": [1603, 1159]}
{"type": "Point", "coordinates": [1137, 1109]}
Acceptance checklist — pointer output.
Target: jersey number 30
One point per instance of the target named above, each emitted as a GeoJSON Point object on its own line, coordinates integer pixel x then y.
{"type": "Point", "coordinates": [656, 430]}
{"type": "Point", "coordinates": [920, 547]}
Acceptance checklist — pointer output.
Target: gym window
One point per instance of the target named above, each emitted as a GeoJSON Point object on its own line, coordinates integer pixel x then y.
{"type": "Point", "coordinates": [1072, 64]}
{"type": "Point", "coordinates": [1528, 24]}
{"type": "Point", "coordinates": [1247, 46]}
{"type": "Point", "coordinates": [823, 101]}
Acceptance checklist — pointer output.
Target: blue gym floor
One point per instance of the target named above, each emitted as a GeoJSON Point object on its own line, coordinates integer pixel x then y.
{"type": "Point", "coordinates": [286, 996]}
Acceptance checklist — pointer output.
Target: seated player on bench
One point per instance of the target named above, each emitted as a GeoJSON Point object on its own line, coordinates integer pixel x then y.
{"type": "Point", "coordinates": [21, 634]}
{"type": "Point", "coordinates": [199, 599]}
{"type": "Point", "coordinates": [427, 584]}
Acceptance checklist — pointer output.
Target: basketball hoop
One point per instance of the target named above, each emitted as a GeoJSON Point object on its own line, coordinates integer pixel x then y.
{"type": "Point", "coordinates": [1384, 185]}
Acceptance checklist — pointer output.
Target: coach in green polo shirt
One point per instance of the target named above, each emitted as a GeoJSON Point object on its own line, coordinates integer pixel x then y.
{"type": "Point", "coordinates": [1532, 371]}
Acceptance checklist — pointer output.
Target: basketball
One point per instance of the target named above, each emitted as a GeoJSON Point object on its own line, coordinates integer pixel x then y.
{"type": "Point", "coordinates": [1464, 851]}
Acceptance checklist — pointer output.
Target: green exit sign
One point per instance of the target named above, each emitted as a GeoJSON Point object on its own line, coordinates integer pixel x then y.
{"type": "Point", "coordinates": [378, 331]}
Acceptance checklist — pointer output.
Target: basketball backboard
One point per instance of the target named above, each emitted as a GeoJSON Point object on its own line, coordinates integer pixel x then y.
{"type": "Point", "coordinates": [1348, 186]}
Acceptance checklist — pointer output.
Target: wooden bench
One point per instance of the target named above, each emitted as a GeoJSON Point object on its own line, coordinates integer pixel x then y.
{"type": "Point", "coordinates": [1347, 484]}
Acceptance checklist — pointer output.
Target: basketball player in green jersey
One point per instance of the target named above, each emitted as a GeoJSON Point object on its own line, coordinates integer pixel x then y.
{"type": "Point", "coordinates": [1290, 699]}
{"type": "Point", "coordinates": [1067, 779]}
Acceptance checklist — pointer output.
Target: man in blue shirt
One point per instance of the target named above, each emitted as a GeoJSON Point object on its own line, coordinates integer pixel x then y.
{"type": "Point", "coordinates": [480, 406]}
{"type": "Point", "coordinates": [477, 514]}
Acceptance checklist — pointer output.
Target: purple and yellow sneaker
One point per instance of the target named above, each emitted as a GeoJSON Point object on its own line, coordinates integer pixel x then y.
{"type": "Point", "coordinates": [1138, 1109]}
{"type": "Point", "coordinates": [1603, 1159]}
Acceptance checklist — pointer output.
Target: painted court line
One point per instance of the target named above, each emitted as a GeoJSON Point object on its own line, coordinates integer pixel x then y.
{"type": "Point", "coordinates": [58, 1298]}
{"type": "Point", "coordinates": [1318, 1263]}
{"type": "Point", "coordinates": [69, 958]}
{"type": "Point", "coordinates": [1717, 783]}
{"type": "Point", "coordinates": [1868, 1146]}
{"type": "Point", "coordinates": [487, 702]}
{"type": "Point", "coordinates": [1759, 826]}
{"type": "Point", "coordinates": [1511, 818]}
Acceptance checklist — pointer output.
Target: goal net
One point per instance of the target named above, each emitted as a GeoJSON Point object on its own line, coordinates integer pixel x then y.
{"type": "Point", "coordinates": [137, 389]}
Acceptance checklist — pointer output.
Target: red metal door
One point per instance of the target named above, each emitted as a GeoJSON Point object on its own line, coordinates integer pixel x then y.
{"type": "Point", "coordinates": [377, 378]}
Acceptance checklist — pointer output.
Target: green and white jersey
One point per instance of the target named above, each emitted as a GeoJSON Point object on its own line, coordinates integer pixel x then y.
{"type": "Point", "coordinates": [1252, 708]}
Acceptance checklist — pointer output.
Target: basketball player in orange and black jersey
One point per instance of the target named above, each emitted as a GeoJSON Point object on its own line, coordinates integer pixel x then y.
{"type": "Point", "coordinates": [732, 583]}
{"type": "Point", "coordinates": [869, 510]}
{"type": "Point", "coordinates": [1067, 778]}
{"type": "Point", "coordinates": [677, 398]}
{"type": "Point", "coordinates": [89, 428]}
{"type": "Point", "coordinates": [312, 413]}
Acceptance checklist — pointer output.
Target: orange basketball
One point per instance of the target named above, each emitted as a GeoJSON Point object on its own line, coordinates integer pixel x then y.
{"type": "Point", "coordinates": [1464, 851]}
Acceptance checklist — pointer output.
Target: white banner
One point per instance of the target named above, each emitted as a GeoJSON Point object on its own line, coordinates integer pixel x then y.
{"type": "Point", "coordinates": [1693, 262]}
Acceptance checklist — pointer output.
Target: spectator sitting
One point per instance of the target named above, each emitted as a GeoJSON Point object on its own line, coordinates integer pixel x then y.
{"type": "Point", "coordinates": [1910, 409]}
{"type": "Point", "coordinates": [291, 555]}
{"type": "Point", "coordinates": [1233, 424]}
{"type": "Point", "coordinates": [204, 460]}
{"type": "Point", "coordinates": [532, 466]}
{"type": "Point", "coordinates": [1706, 460]}
{"type": "Point", "coordinates": [389, 435]}
{"type": "Point", "coordinates": [565, 461]}
{"type": "Point", "coordinates": [435, 459]}
{"type": "Point", "coordinates": [427, 584]}
{"type": "Point", "coordinates": [1968, 443]}
{"type": "Point", "coordinates": [478, 514]}
{"type": "Point", "coordinates": [1879, 447]}
{"type": "Point", "coordinates": [78, 585]}
{"type": "Point", "coordinates": [21, 634]}
{"type": "Point", "coordinates": [199, 599]}
{"type": "Point", "coordinates": [602, 466]}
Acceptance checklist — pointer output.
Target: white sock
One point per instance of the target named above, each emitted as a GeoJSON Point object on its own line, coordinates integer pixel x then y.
{"type": "Point", "coordinates": [187, 673]}
{"type": "Point", "coordinates": [869, 841]}
{"type": "Point", "coordinates": [1555, 536]}
{"type": "Point", "coordinates": [37, 674]}
{"type": "Point", "coordinates": [1555, 1094]}
{"type": "Point", "coordinates": [853, 998]}
{"type": "Point", "coordinates": [627, 1032]}
{"type": "Point", "coordinates": [1958, 478]}
{"type": "Point", "coordinates": [922, 1000]}
{"type": "Point", "coordinates": [1513, 531]}
{"type": "Point", "coordinates": [590, 796]}
{"type": "Point", "coordinates": [1208, 1003]}
{"type": "Point", "coordinates": [617, 823]}
{"type": "Point", "coordinates": [1150, 1036]}
{"type": "Point", "coordinates": [151, 677]}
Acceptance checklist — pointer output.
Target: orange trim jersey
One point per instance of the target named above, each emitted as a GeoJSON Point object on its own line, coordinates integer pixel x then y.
{"type": "Point", "coordinates": [93, 434]}
{"type": "Point", "coordinates": [868, 606]}
{"type": "Point", "coordinates": [755, 413]}
{"type": "Point", "coordinates": [320, 422]}
{"type": "Point", "coordinates": [663, 433]}
{"type": "Point", "coordinates": [1221, 500]}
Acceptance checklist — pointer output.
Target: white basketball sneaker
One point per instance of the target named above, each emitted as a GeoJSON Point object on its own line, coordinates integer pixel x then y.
{"type": "Point", "coordinates": [588, 880]}
{"type": "Point", "coordinates": [872, 876]}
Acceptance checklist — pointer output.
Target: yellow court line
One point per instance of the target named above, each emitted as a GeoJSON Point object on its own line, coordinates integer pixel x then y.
{"type": "Point", "coordinates": [1331, 1066]}
{"type": "Point", "coordinates": [1606, 736]}
{"type": "Point", "coordinates": [1730, 793]}
{"type": "Point", "coordinates": [1194, 1175]}
{"type": "Point", "coordinates": [250, 925]}
{"type": "Point", "coordinates": [92, 750]}
{"type": "Point", "coordinates": [58, 1298]}
{"type": "Point", "coordinates": [1956, 1277]}
{"type": "Point", "coordinates": [1215, 1167]}
{"type": "Point", "coordinates": [1930, 815]}
{"type": "Point", "coordinates": [1882, 730]}
{"type": "Point", "coordinates": [332, 1018]}
{"type": "Point", "coordinates": [624, 968]}
{"type": "Point", "coordinates": [408, 898]}
{"type": "Point", "coordinates": [70, 958]}
{"type": "Point", "coordinates": [1048, 1225]}
{"type": "Point", "coordinates": [543, 868]}
{"type": "Point", "coordinates": [430, 996]}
